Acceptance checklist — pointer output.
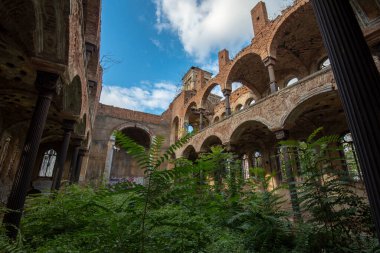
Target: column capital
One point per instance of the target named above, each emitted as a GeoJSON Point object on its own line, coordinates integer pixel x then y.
{"type": "Point", "coordinates": [68, 125]}
{"type": "Point", "coordinates": [83, 151]}
{"type": "Point", "coordinates": [47, 83]}
{"type": "Point", "coordinates": [229, 146]}
{"type": "Point", "coordinates": [76, 142]}
{"type": "Point", "coordinates": [282, 135]}
{"type": "Point", "coordinates": [269, 61]}
{"type": "Point", "coordinates": [227, 92]}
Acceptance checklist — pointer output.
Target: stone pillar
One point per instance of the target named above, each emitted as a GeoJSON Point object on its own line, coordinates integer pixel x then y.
{"type": "Point", "coordinates": [46, 84]}
{"type": "Point", "coordinates": [68, 127]}
{"type": "Point", "coordinates": [108, 165]}
{"type": "Point", "coordinates": [82, 152]}
{"type": "Point", "coordinates": [76, 146]}
{"type": "Point", "coordinates": [227, 94]}
{"type": "Point", "coordinates": [250, 156]}
{"type": "Point", "coordinates": [358, 84]}
{"type": "Point", "coordinates": [269, 62]}
{"type": "Point", "coordinates": [201, 115]}
{"type": "Point", "coordinates": [290, 180]}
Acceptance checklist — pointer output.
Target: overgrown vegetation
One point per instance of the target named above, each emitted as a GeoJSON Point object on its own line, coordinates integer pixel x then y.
{"type": "Point", "coordinates": [202, 206]}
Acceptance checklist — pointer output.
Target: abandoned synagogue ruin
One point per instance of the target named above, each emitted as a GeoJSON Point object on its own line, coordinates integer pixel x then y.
{"type": "Point", "coordinates": [54, 130]}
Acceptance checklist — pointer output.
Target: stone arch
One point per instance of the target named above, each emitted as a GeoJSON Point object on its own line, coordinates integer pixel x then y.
{"type": "Point", "coordinates": [123, 167]}
{"type": "Point", "coordinates": [251, 133]}
{"type": "Point", "coordinates": [190, 118]}
{"type": "Point", "coordinates": [133, 125]}
{"type": "Point", "coordinates": [296, 42]}
{"type": "Point", "coordinates": [207, 93]}
{"type": "Point", "coordinates": [190, 153]}
{"type": "Point", "coordinates": [250, 71]}
{"type": "Point", "coordinates": [281, 23]}
{"type": "Point", "coordinates": [140, 135]}
{"type": "Point", "coordinates": [209, 142]}
{"type": "Point", "coordinates": [322, 108]}
{"type": "Point", "coordinates": [72, 97]}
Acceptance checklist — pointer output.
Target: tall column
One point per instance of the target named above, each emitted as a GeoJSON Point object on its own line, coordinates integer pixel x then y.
{"type": "Point", "coordinates": [269, 62]}
{"type": "Point", "coordinates": [227, 94]}
{"type": "Point", "coordinates": [68, 127]}
{"type": "Point", "coordinates": [290, 180]}
{"type": "Point", "coordinates": [358, 85]}
{"type": "Point", "coordinates": [250, 159]}
{"type": "Point", "coordinates": [108, 165]}
{"type": "Point", "coordinates": [81, 154]}
{"type": "Point", "coordinates": [46, 85]}
{"type": "Point", "coordinates": [201, 115]}
{"type": "Point", "coordinates": [76, 146]}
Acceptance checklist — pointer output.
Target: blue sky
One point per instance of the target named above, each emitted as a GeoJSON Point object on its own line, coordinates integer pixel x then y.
{"type": "Point", "coordinates": [148, 45]}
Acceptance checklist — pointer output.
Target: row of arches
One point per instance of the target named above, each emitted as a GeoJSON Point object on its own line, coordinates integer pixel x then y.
{"type": "Point", "coordinates": [259, 153]}
{"type": "Point", "coordinates": [196, 120]}
{"type": "Point", "coordinates": [295, 51]}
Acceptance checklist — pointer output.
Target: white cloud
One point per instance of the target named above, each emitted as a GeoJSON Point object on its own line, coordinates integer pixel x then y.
{"type": "Point", "coordinates": [153, 98]}
{"type": "Point", "coordinates": [211, 66]}
{"type": "Point", "coordinates": [210, 25]}
{"type": "Point", "coordinates": [157, 43]}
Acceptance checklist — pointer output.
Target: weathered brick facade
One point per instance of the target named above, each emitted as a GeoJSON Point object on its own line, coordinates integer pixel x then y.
{"type": "Point", "coordinates": [290, 45]}
{"type": "Point", "coordinates": [63, 37]}
{"type": "Point", "coordinates": [39, 37]}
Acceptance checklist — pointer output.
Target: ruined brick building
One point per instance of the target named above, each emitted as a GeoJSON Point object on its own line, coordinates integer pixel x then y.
{"type": "Point", "coordinates": [287, 90]}
{"type": "Point", "coordinates": [52, 127]}
{"type": "Point", "coordinates": [50, 84]}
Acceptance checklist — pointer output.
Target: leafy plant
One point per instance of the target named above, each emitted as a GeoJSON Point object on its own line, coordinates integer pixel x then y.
{"type": "Point", "coordinates": [339, 219]}
{"type": "Point", "coordinates": [202, 206]}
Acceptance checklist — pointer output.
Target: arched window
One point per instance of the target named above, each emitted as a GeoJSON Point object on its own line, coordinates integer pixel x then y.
{"type": "Point", "coordinates": [257, 159]}
{"type": "Point", "coordinates": [47, 165]}
{"type": "Point", "coordinates": [324, 63]}
{"type": "Point", "coordinates": [223, 115]}
{"type": "Point", "coordinates": [350, 156]}
{"type": "Point", "coordinates": [249, 102]}
{"type": "Point", "coordinates": [216, 119]}
{"type": "Point", "coordinates": [190, 129]}
{"type": "Point", "coordinates": [238, 107]}
{"type": "Point", "coordinates": [291, 81]}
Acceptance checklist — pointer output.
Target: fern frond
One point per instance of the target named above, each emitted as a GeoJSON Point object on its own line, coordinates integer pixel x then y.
{"type": "Point", "coordinates": [314, 134]}
{"type": "Point", "coordinates": [135, 150]}
{"type": "Point", "coordinates": [171, 150]}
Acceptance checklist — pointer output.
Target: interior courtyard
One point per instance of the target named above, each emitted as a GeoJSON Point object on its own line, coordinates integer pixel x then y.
{"type": "Point", "coordinates": [54, 131]}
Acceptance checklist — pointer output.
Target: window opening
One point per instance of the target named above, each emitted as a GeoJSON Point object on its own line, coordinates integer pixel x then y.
{"type": "Point", "coordinates": [324, 63]}
{"type": "Point", "coordinates": [48, 162]}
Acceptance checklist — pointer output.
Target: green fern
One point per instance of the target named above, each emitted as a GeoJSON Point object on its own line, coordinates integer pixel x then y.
{"type": "Point", "coordinates": [150, 161]}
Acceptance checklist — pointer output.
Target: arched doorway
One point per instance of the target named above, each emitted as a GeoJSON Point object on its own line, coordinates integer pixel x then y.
{"type": "Point", "coordinates": [124, 167]}
{"type": "Point", "coordinates": [190, 153]}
